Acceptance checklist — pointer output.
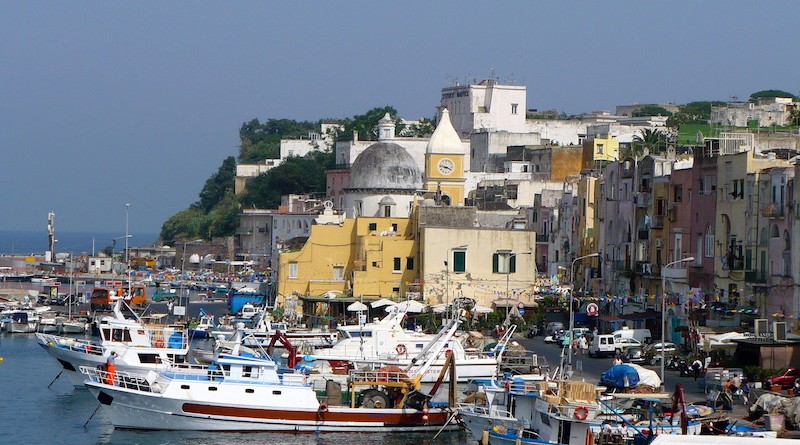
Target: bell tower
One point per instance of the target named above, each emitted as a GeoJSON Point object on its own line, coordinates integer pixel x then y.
{"type": "Point", "coordinates": [444, 163]}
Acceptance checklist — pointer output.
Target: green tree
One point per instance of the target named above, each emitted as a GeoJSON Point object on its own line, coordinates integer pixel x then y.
{"type": "Point", "coordinates": [652, 110]}
{"type": "Point", "coordinates": [693, 113]}
{"type": "Point", "coordinates": [263, 141]}
{"type": "Point", "coordinates": [366, 124]}
{"type": "Point", "coordinates": [218, 186]}
{"type": "Point", "coordinates": [649, 139]}
{"type": "Point", "coordinates": [223, 219]}
{"type": "Point", "coordinates": [295, 175]}
{"type": "Point", "coordinates": [186, 224]}
{"type": "Point", "coordinates": [771, 93]}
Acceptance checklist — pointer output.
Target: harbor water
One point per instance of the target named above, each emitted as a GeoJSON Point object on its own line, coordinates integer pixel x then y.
{"type": "Point", "coordinates": [32, 413]}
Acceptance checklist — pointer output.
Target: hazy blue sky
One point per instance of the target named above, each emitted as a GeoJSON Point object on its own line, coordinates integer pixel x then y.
{"type": "Point", "coordinates": [105, 103]}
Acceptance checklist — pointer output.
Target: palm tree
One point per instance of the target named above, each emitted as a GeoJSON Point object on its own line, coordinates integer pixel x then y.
{"type": "Point", "coordinates": [648, 141]}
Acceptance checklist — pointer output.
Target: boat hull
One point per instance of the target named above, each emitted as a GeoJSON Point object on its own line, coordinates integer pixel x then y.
{"type": "Point", "coordinates": [21, 327]}
{"type": "Point", "coordinates": [131, 409]}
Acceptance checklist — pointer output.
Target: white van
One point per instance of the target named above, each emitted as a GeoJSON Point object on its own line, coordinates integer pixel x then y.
{"type": "Point", "coordinates": [603, 345]}
{"type": "Point", "coordinates": [643, 335]}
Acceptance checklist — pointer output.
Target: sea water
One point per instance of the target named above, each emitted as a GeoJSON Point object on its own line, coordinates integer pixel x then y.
{"type": "Point", "coordinates": [32, 413]}
{"type": "Point", "coordinates": [32, 242]}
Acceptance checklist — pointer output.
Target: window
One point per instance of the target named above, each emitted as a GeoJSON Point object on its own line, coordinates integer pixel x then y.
{"type": "Point", "coordinates": [396, 265]}
{"type": "Point", "coordinates": [338, 273]}
{"type": "Point", "coordinates": [504, 262]}
{"type": "Point", "coordinates": [460, 261]}
{"type": "Point", "coordinates": [373, 227]}
{"type": "Point", "coordinates": [514, 108]}
{"type": "Point", "coordinates": [410, 263]}
{"type": "Point", "coordinates": [394, 227]}
{"type": "Point", "coordinates": [599, 149]}
{"type": "Point", "coordinates": [678, 193]}
{"type": "Point", "coordinates": [293, 270]}
{"type": "Point", "coordinates": [708, 244]}
{"type": "Point", "coordinates": [387, 211]}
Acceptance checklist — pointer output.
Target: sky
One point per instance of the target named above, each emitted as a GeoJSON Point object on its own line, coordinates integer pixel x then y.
{"type": "Point", "coordinates": [104, 104]}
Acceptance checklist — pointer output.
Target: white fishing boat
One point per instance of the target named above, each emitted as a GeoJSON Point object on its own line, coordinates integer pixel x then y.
{"type": "Point", "coordinates": [68, 325]}
{"type": "Point", "coordinates": [22, 322]}
{"type": "Point", "coordinates": [385, 341]}
{"type": "Point", "coordinates": [264, 328]}
{"type": "Point", "coordinates": [244, 393]}
{"type": "Point", "coordinates": [138, 346]}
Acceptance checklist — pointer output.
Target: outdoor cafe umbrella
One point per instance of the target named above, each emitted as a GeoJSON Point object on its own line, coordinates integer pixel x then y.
{"type": "Point", "coordinates": [407, 306]}
{"type": "Point", "coordinates": [382, 302]}
{"type": "Point", "coordinates": [357, 307]}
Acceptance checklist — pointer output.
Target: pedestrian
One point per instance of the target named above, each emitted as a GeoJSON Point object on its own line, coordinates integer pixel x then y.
{"type": "Point", "coordinates": [583, 344]}
{"type": "Point", "coordinates": [696, 366]}
{"type": "Point", "coordinates": [745, 391]}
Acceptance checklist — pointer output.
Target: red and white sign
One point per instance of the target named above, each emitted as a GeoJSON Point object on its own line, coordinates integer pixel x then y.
{"type": "Point", "coordinates": [592, 309]}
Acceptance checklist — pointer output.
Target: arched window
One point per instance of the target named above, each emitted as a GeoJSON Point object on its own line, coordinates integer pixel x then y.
{"type": "Point", "coordinates": [775, 233]}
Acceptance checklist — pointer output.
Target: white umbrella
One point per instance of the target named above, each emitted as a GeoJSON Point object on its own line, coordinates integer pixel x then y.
{"type": "Point", "coordinates": [331, 294]}
{"type": "Point", "coordinates": [381, 302]}
{"type": "Point", "coordinates": [482, 310]}
{"type": "Point", "coordinates": [439, 308]}
{"type": "Point", "coordinates": [357, 307]}
{"type": "Point", "coordinates": [407, 306]}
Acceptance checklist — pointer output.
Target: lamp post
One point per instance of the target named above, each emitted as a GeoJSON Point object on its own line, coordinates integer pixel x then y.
{"type": "Point", "coordinates": [447, 279]}
{"type": "Point", "coordinates": [183, 277]}
{"type": "Point", "coordinates": [571, 303]}
{"type": "Point", "coordinates": [664, 310]}
{"type": "Point", "coordinates": [127, 258]}
{"type": "Point", "coordinates": [510, 255]}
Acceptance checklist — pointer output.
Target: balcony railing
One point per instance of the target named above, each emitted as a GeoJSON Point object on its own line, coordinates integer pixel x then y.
{"type": "Point", "coordinates": [657, 222]}
{"type": "Point", "coordinates": [755, 276]}
{"type": "Point", "coordinates": [644, 235]}
{"type": "Point", "coordinates": [772, 210]}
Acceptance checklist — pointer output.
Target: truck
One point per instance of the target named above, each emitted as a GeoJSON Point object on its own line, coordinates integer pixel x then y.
{"type": "Point", "coordinates": [643, 335]}
{"type": "Point", "coordinates": [103, 297]}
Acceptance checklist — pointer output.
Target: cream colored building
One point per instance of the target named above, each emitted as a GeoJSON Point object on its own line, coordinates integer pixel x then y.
{"type": "Point", "coordinates": [495, 266]}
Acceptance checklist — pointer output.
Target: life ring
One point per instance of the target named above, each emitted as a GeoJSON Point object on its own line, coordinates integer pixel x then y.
{"type": "Point", "coordinates": [581, 413]}
{"type": "Point", "coordinates": [401, 349]}
{"type": "Point", "coordinates": [159, 343]}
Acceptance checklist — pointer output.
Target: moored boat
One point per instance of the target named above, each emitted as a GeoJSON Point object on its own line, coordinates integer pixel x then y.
{"type": "Point", "coordinates": [250, 393]}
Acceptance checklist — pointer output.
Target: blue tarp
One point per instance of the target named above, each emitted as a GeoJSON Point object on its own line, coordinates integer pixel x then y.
{"type": "Point", "coordinates": [620, 376]}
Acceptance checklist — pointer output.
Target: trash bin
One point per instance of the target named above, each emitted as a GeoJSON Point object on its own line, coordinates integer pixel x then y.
{"type": "Point", "coordinates": [773, 422]}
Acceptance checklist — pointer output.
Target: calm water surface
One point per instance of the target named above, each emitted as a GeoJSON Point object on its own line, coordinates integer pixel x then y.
{"type": "Point", "coordinates": [31, 413]}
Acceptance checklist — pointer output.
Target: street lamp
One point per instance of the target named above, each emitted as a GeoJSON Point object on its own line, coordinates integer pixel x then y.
{"type": "Point", "coordinates": [447, 278]}
{"type": "Point", "coordinates": [572, 303]}
{"type": "Point", "coordinates": [664, 311]}
{"type": "Point", "coordinates": [127, 259]}
{"type": "Point", "coordinates": [508, 256]}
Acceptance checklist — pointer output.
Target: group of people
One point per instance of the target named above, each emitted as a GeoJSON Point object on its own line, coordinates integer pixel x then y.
{"type": "Point", "coordinates": [580, 345]}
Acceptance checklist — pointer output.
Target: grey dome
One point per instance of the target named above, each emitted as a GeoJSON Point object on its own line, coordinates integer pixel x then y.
{"type": "Point", "coordinates": [385, 165]}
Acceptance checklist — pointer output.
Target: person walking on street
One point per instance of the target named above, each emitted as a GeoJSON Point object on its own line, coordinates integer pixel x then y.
{"type": "Point", "coordinates": [697, 365]}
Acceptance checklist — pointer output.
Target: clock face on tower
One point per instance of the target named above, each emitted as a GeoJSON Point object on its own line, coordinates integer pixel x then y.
{"type": "Point", "coordinates": [446, 166]}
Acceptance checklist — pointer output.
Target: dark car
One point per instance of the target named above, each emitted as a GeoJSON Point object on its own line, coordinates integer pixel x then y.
{"type": "Point", "coordinates": [785, 379]}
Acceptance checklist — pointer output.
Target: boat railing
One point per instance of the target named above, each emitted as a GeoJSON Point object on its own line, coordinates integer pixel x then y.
{"type": "Point", "coordinates": [72, 344]}
{"type": "Point", "coordinates": [524, 387]}
{"type": "Point", "coordinates": [378, 376]}
{"type": "Point", "coordinates": [483, 410]}
{"type": "Point", "coordinates": [139, 382]}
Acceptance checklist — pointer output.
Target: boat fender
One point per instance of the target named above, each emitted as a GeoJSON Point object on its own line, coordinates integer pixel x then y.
{"type": "Point", "coordinates": [425, 413]}
{"type": "Point", "coordinates": [401, 349]}
{"type": "Point", "coordinates": [323, 407]}
{"type": "Point", "coordinates": [508, 385]}
{"type": "Point", "coordinates": [581, 412]}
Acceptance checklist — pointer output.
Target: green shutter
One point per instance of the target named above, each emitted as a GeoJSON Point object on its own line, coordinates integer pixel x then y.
{"type": "Point", "coordinates": [459, 261]}
{"type": "Point", "coordinates": [495, 263]}
{"type": "Point", "coordinates": [512, 264]}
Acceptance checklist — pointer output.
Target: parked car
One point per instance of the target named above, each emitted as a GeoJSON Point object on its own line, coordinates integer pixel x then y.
{"type": "Point", "coordinates": [668, 348]}
{"type": "Point", "coordinates": [785, 379]}
{"type": "Point", "coordinates": [633, 354]}
{"type": "Point", "coordinates": [553, 327]}
{"type": "Point", "coordinates": [554, 337]}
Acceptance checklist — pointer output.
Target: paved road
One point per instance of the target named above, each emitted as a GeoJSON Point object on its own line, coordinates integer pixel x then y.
{"type": "Point", "coordinates": [589, 369]}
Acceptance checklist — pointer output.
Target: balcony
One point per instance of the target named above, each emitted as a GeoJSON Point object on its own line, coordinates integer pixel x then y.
{"type": "Point", "coordinates": [657, 222]}
{"type": "Point", "coordinates": [755, 276]}
{"type": "Point", "coordinates": [643, 235]}
{"type": "Point", "coordinates": [772, 210]}
{"type": "Point", "coordinates": [541, 238]}
{"type": "Point", "coordinates": [642, 200]}
{"type": "Point", "coordinates": [644, 268]}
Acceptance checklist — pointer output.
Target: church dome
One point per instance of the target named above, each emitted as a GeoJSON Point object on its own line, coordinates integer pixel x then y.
{"type": "Point", "coordinates": [385, 165]}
